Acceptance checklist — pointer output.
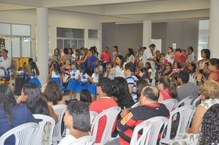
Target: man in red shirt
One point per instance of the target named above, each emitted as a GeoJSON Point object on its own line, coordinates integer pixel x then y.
{"type": "Point", "coordinates": [104, 88]}
{"type": "Point", "coordinates": [106, 57]}
{"type": "Point", "coordinates": [131, 118]}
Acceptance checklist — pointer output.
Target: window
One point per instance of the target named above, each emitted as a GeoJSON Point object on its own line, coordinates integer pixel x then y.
{"type": "Point", "coordinates": [70, 38]}
{"type": "Point", "coordinates": [17, 39]}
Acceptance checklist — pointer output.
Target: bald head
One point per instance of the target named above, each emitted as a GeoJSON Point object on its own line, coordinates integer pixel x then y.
{"type": "Point", "coordinates": [151, 93]}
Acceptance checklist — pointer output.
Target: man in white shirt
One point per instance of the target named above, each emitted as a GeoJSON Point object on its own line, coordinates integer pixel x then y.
{"type": "Point", "coordinates": [5, 62]}
{"type": "Point", "coordinates": [77, 120]}
{"type": "Point", "coordinates": [148, 55]}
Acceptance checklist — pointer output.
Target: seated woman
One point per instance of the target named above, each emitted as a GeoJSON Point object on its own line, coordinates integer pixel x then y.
{"type": "Point", "coordinates": [10, 112]}
{"type": "Point", "coordinates": [214, 68]}
{"type": "Point", "coordinates": [36, 101]}
{"type": "Point", "coordinates": [167, 87]}
{"type": "Point", "coordinates": [210, 96]}
{"type": "Point", "coordinates": [53, 93]}
{"type": "Point", "coordinates": [209, 130]}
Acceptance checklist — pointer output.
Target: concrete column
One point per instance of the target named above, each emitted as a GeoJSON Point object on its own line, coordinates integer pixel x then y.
{"type": "Point", "coordinates": [42, 43]}
{"type": "Point", "coordinates": [147, 33]}
{"type": "Point", "coordinates": [214, 28]}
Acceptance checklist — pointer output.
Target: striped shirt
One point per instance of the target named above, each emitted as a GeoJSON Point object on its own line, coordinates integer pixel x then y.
{"type": "Point", "coordinates": [132, 82]}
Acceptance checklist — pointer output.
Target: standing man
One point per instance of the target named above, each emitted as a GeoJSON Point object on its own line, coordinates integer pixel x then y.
{"type": "Point", "coordinates": [5, 64]}
{"type": "Point", "coordinates": [106, 57]}
{"type": "Point", "coordinates": [148, 55]}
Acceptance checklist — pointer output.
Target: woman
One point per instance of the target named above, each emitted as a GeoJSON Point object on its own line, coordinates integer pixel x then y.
{"type": "Point", "coordinates": [53, 93]}
{"type": "Point", "coordinates": [121, 93]}
{"type": "Point", "coordinates": [36, 101]}
{"type": "Point", "coordinates": [167, 70]}
{"type": "Point", "coordinates": [170, 55]}
{"type": "Point", "coordinates": [209, 96]}
{"type": "Point", "coordinates": [210, 130]}
{"type": "Point", "coordinates": [167, 87]}
{"type": "Point", "coordinates": [130, 56]}
{"type": "Point", "coordinates": [119, 66]}
{"type": "Point", "coordinates": [205, 54]}
{"type": "Point", "coordinates": [91, 61]}
{"type": "Point", "coordinates": [214, 68]}
{"type": "Point", "coordinates": [11, 113]}
{"type": "Point", "coordinates": [56, 55]}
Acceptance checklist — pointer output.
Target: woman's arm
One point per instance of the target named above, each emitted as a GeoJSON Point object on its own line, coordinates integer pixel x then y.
{"type": "Point", "coordinates": [197, 119]}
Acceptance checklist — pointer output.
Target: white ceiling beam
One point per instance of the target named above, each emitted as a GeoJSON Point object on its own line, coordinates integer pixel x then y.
{"type": "Point", "coordinates": [169, 16]}
{"type": "Point", "coordinates": [4, 7]}
{"type": "Point", "coordinates": [32, 3]}
{"type": "Point", "coordinates": [157, 7]}
{"type": "Point", "coordinates": [98, 10]}
{"type": "Point", "coordinates": [64, 3]}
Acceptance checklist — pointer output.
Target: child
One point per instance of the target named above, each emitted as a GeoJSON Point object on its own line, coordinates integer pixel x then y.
{"type": "Point", "coordinates": [34, 72]}
{"type": "Point", "coordinates": [66, 73]}
{"type": "Point", "coordinates": [73, 82]}
{"type": "Point", "coordinates": [83, 81]}
{"type": "Point", "coordinates": [94, 81]}
{"type": "Point", "coordinates": [55, 74]}
{"type": "Point", "coordinates": [110, 72]}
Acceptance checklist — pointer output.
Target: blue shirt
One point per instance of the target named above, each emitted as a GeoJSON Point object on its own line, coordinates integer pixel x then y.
{"type": "Point", "coordinates": [91, 61]}
{"type": "Point", "coordinates": [20, 115]}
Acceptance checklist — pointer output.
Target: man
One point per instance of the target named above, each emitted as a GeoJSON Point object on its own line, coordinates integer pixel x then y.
{"type": "Point", "coordinates": [191, 54]}
{"type": "Point", "coordinates": [77, 120]}
{"type": "Point", "coordinates": [131, 79]}
{"type": "Point", "coordinates": [148, 55]}
{"type": "Point", "coordinates": [149, 108]}
{"type": "Point", "coordinates": [186, 88]}
{"type": "Point", "coordinates": [5, 63]}
{"type": "Point", "coordinates": [104, 102]}
{"type": "Point", "coordinates": [106, 57]}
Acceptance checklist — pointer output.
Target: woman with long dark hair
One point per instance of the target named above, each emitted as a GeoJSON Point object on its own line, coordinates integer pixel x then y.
{"type": "Point", "coordinates": [120, 91]}
{"type": "Point", "coordinates": [11, 113]}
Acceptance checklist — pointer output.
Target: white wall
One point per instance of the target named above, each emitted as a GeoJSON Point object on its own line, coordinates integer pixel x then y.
{"type": "Point", "coordinates": [56, 19]}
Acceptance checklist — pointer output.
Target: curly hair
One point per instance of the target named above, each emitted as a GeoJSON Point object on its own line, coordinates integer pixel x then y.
{"type": "Point", "coordinates": [210, 127]}
{"type": "Point", "coordinates": [210, 89]}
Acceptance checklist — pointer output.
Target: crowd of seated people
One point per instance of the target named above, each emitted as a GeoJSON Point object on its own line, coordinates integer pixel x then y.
{"type": "Point", "coordinates": [114, 80]}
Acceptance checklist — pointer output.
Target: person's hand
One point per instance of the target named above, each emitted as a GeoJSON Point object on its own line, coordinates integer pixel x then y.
{"type": "Point", "coordinates": [43, 88]}
{"type": "Point", "coordinates": [124, 112]}
{"type": "Point", "coordinates": [19, 99]}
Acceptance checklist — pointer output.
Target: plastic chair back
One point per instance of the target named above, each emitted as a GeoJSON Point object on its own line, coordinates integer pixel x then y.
{"type": "Point", "coordinates": [45, 132]}
{"type": "Point", "coordinates": [23, 134]}
{"type": "Point", "coordinates": [170, 104]}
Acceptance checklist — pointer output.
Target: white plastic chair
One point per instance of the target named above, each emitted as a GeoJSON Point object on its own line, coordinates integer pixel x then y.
{"type": "Point", "coordinates": [195, 102]}
{"type": "Point", "coordinates": [136, 105]}
{"type": "Point", "coordinates": [186, 101]}
{"type": "Point", "coordinates": [170, 104]}
{"type": "Point", "coordinates": [151, 130]}
{"type": "Point", "coordinates": [111, 116]}
{"type": "Point", "coordinates": [85, 140]}
{"type": "Point", "coordinates": [45, 132]}
{"type": "Point", "coordinates": [93, 115]}
{"type": "Point", "coordinates": [60, 111]}
{"type": "Point", "coordinates": [23, 134]}
{"type": "Point", "coordinates": [184, 113]}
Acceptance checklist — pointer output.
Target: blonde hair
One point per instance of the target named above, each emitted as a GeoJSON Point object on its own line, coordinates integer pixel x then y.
{"type": "Point", "coordinates": [210, 89]}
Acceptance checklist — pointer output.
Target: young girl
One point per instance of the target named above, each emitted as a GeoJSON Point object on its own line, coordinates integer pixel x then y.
{"type": "Point", "coordinates": [34, 73]}
{"type": "Point", "coordinates": [83, 81]}
{"type": "Point", "coordinates": [66, 73]}
{"type": "Point", "coordinates": [73, 82]}
{"type": "Point", "coordinates": [55, 74]}
{"type": "Point", "coordinates": [110, 72]}
{"type": "Point", "coordinates": [94, 81]}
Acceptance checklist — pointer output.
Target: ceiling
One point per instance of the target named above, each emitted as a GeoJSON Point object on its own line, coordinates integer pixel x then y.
{"type": "Point", "coordinates": [117, 10]}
